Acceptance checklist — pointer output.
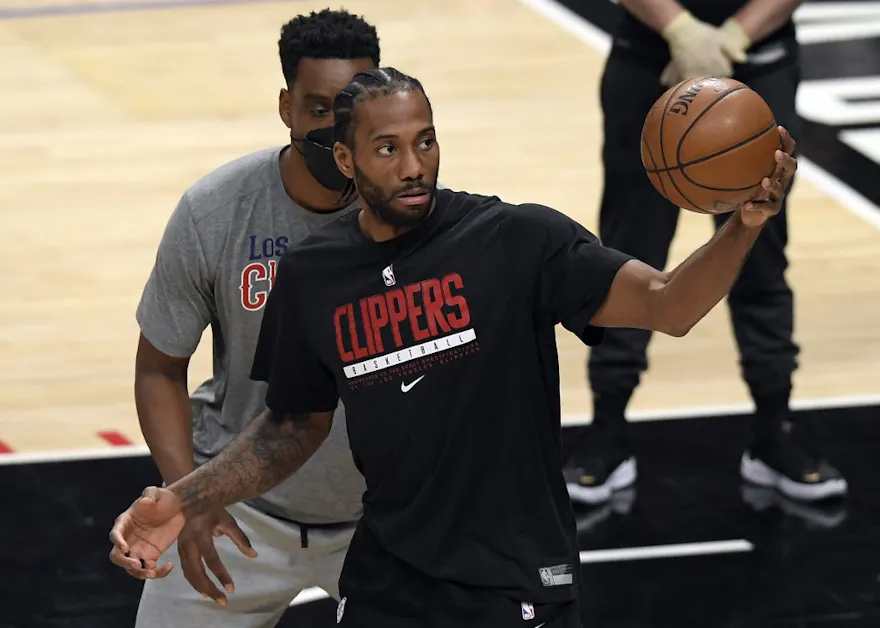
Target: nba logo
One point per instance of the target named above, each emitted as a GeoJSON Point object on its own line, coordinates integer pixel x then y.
{"type": "Point", "coordinates": [546, 577]}
{"type": "Point", "coordinates": [528, 610]}
{"type": "Point", "coordinates": [388, 275]}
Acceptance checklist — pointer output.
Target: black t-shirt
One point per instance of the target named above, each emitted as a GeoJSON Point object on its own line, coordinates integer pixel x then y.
{"type": "Point", "coordinates": [441, 345]}
{"type": "Point", "coordinates": [634, 35]}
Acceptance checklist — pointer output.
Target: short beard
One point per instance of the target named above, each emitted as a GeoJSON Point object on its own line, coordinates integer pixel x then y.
{"type": "Point", "coordinates": [380, 203]}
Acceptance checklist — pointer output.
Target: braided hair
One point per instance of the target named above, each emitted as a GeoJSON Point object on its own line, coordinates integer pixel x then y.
{"type": "Point", "coordinates": [366, 85]}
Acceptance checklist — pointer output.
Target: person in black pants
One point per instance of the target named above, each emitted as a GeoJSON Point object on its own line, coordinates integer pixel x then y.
{"type": "Point", "coordinates": [657, 44]}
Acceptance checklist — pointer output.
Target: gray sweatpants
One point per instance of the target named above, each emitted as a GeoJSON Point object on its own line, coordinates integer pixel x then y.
{"type": "Point", "coordinates": [264, 586]}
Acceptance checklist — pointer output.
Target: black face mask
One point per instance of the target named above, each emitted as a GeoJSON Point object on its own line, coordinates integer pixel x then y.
{"type": "Point", "coordinates": [317, 148]}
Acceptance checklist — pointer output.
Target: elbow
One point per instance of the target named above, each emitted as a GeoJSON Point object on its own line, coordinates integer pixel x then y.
{"type": "Point", "coordinates": [668, 316]}
{"type": "Point", "coordinates": [676, 330]}
{"type": "Point", "coordinates": [674, 322]}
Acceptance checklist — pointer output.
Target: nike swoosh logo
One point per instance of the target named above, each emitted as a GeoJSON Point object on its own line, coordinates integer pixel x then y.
{"type": "Point", "coordinates": [405, 388]}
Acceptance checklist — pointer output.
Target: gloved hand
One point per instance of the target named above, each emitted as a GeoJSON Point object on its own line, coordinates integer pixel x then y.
{"type": "Point", "coordinates": [700, 49]}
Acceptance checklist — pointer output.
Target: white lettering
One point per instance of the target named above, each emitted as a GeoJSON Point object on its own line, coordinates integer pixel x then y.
{"type": "Point", "coordinates": [836, 102]}
{"type": "Point", "coordinates": [823, 22]}
{"type": "Point", "coordinates": [866, 141]}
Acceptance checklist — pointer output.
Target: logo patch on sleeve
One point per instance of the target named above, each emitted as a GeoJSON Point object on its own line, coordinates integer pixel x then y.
{"type": "Point", "coordinates": [557, 575]}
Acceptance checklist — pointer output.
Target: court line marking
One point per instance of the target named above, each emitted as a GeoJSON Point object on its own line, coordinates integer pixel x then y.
{"type": "Point", "coordinates": [849, 198]}
{"type": "Point", "coordinates": [665, 551]}
{"type": "Point", "coordinates": [696, 412]}
{"type": "Point", "coordinates": [568, 420]}
{"type": "Point", "coordinates": [649, 552]}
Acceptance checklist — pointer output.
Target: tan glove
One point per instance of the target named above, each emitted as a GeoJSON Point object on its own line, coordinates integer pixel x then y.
{"type": "Point", "coordinates": [700, 49]}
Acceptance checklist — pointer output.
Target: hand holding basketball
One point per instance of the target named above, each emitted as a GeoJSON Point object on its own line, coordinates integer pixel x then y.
{"type": "Point", "coordinates": [768, 202]}
{"type": "Point", "coordinates": [709, 145]}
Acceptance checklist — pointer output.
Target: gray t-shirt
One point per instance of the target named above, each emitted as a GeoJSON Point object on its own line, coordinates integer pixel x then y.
{"type": "Point", "coordinates": [215, 266]}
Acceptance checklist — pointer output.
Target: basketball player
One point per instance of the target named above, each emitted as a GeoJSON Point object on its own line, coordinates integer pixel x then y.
{"type": "Point", "coordinates": [431, 314]}
{"type": "Point", "coordinates": [659, 43]}
{"type": "Point", "coordinates": [215, 266]}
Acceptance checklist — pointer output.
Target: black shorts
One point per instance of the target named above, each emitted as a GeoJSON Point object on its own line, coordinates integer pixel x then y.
{"type": "Point", "coordinates": [378, 590]}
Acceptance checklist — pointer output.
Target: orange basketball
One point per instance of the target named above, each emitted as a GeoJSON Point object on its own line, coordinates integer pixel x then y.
{"type": "Point", "coordinates": [707, 144]}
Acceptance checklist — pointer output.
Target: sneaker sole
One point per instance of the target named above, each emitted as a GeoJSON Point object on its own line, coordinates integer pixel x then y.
{"type": "Point", "coordinates": [622, 477]}
{"type": "Point", "coordinates": [757, 472]}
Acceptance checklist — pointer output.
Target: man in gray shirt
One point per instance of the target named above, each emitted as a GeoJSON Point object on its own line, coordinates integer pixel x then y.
{"type": "Point", "coordinates": [215, 266]}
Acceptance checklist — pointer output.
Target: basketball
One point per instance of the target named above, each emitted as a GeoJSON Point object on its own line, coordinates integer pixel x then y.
{"type": "Point", "coordinates": [707, 143]}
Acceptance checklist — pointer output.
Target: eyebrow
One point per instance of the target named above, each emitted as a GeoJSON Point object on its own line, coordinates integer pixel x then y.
{"type": "Point", "coordinates": [391, 136]}
{"type": "Point", "coordinates": [315, 96]}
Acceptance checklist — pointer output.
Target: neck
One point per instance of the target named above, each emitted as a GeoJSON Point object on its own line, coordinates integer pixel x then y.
{"type": "Point", "coordinates": [377, 230]}
{"type": "Point", "coordinates": [302, 188]}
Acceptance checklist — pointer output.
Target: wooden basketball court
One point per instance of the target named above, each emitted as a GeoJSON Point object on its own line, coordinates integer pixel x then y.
{"type": "Point", "coordinates": [107, 114]}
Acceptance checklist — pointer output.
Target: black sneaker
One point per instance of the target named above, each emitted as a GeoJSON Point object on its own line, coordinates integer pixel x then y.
{"type": "Point", "coordinates": [592, 479]}
{"type": "Point", "coordinates": [788, 468]}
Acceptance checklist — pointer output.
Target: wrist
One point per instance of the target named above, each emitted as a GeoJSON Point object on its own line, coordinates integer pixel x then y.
{"type": "Point", "coordinates": [680, 23]}
{"type": "Point", "coordinates": [189, 507]}
{"type": "Point", "coordinates": [175, 474]}
{"type": "Point", "coordinates": [737, 34]}
{"type": "Point", "coordinates": [748, 223]}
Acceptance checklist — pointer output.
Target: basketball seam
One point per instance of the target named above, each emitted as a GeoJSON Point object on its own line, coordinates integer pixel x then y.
{"type": "Point", "coordinates": [663, 121]}
{"type": "Point", "coordinates": [651, 156]}
{"type": "Point", "coordinates": [663, 151]}
{"type": "Point", "coordinates": [697, 119]}
{"type": "Point", "coordinates": [716, 154]}
{"type": "Point", "coordinates": [706, 187]}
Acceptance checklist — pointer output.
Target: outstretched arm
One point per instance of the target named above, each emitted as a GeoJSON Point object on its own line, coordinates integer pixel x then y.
{"type": "Point", "coordinates": [673, 302]}
{"type": "Point", "coordinates": [269, 450]}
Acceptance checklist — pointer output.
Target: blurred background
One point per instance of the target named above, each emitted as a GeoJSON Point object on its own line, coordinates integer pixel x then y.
{"type": "Point", "coordinates": [110, 110]}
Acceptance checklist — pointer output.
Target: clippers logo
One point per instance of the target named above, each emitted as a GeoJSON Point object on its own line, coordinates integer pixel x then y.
{"type": "Point", "coordinates": [402, 332]}
{"type": "Point", "coordinates": [388, 275]}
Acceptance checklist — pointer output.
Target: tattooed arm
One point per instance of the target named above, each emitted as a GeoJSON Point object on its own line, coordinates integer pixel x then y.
{"type": "Point", "coordinates": [269, 450]}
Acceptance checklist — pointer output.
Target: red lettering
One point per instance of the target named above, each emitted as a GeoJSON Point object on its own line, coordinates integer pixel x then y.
{"type": "Point", "coordinates": [368, 332]}
{"type": "Point", "coordinates": [433, 299]}
{"type": "Point", "coordinates": [378, 319]}
{"type": "Point", "coordinates": [464, 316]}
{"type": "Point", "coordinates": [359, 351]}
{"type": "Point", "coordinates": [251, 299]}
{"type": "Point", "coordinates": [347, 356]}
{"type": "Point", "coordinates": [273, 266]}
{"type": "Point", "coordinates": [414, 311]}
{"type": "Point", "coordinates": [397, 312]}
{"type": "Point", "coordinates": [424, 305]}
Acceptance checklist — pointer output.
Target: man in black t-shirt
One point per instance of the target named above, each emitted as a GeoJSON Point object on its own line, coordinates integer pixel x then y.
{"type": "Point", "coordinates": [658, 43]}
{"type": "Point", "coordinates": [431, 314]}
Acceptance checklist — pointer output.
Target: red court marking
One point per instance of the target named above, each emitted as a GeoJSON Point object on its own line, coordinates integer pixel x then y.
{"type": "Point", "coordinates": [115, 438]}
{"type": "Point", "coordinates": [4, 448]}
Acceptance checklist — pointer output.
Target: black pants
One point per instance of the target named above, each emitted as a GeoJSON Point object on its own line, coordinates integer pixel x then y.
{"type": "Point", "coordinates": [635, 219]}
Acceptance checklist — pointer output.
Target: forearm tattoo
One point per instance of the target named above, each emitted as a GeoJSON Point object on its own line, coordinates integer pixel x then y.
{"type": "Point", "coordinates": [265, 453]}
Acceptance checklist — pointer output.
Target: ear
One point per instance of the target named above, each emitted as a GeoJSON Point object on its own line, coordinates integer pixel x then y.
{"type": "Point", "coordinates": [344, 159]}
{"type": "Point", "coordinates": [284, 107]}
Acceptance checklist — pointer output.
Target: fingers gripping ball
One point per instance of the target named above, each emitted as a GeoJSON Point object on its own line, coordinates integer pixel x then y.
{"type": "Point", "coordinates": [707, 143]}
